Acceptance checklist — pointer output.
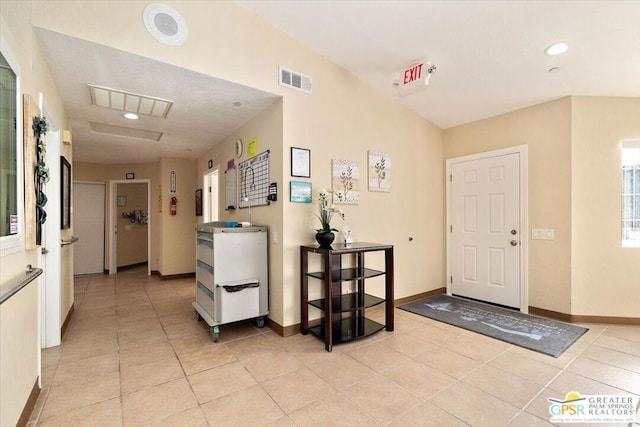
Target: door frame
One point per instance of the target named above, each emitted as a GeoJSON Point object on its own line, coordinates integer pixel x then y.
{"type": "Point", "coordinates": [207, 197]}
{"type": "Point", "coordinates": [522, 150]}
{"type": "Point", "coordinates": [113, 249]}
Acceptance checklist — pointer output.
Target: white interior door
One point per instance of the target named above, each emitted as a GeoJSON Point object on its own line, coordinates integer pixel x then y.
{"type": "Point", "coordinates": [88, 226]}
{"type": "Point", "coordinates": [50, 291]}
{"type": "Point", "coordinates": [485, 227]}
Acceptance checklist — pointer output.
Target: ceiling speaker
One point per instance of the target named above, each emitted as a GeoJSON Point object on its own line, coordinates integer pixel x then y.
{"type": "Point", "coordinates": [164, 24]}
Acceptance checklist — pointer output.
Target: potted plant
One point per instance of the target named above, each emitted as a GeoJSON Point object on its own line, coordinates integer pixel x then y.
{"type": "Point", "coordinates": [324, 235]}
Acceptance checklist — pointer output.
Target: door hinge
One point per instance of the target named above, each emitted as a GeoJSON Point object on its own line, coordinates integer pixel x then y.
{"type": "Point", "coordinates": [451, 279]}
{"type": "Point", "coordinates": [450, 177]}
{"type": "Point", "coordinates": [451, 229]}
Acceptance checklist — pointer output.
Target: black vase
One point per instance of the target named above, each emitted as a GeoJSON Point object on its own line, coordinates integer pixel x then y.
{"type": "Point", "coordinates": [325, 239]}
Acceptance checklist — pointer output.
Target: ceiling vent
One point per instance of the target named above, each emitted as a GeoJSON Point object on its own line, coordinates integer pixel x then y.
{"type": "Point", "coordinates": [126, 132]}
{"type": "Point", "coordinates": [125, 101]}
{"type": "Point", "coordinates": [295, 80]}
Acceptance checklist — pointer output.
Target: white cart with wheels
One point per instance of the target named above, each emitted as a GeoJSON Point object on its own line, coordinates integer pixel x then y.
{"type": "Point", "coordinates": [232, 277]}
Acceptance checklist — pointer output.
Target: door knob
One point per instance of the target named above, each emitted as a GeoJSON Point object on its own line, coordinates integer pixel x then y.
{"type": "Point", "coordinates": [514, 243]}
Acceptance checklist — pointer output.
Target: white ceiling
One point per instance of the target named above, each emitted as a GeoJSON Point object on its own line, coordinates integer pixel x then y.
{"type": "Point", "coordinates": [489, 56]}
{"type": "Point", "coordinates": [202, 114]}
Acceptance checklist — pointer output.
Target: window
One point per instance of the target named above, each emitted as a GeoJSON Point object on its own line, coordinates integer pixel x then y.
{"type": "Point", "coordinates": [631, 194]}
{"type": "Point", "coordinates": [10, 159]}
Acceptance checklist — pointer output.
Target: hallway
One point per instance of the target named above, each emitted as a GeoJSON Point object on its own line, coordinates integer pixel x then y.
{"type": "Point", "coordinates": [135, 355]}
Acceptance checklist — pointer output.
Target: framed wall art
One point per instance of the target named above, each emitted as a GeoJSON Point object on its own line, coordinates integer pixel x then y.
{"type": "Point", "coordinates": [300, 192]}
{"type": "Point", "coordinates": [300, 162]}
{"type": "Point", "coordinates": [345, 182]}
{"type": "Point", "coordinates": [199, 202]}
{"type": "Point", "coordinates": [65, 193]}
{"type": "Point", "coordinates": [379, 171]}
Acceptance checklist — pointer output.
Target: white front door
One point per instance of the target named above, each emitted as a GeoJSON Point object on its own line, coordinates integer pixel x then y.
{"type": "Point", "coordinates": [88, 226]}
{"type": "Point", "coordinates": [485, 255]}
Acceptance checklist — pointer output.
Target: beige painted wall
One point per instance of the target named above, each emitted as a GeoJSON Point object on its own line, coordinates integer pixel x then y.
{"type": "Point", "coordinates": [574, 187]}
{"type": "Point", "coordinates": [132, 236]}
{"type": "Point", "coordinates": [606, 277]}
{"type": "Point", "coordinates": [342, 119]}
{"type": "Point", "coordinates": [19, 342]}
{"type": "Point", "coordinates": [104, 173]}
{"type": "Point", "coordinates": [177, 232]}
{"type": "Point", "coordinates": [546, 129]}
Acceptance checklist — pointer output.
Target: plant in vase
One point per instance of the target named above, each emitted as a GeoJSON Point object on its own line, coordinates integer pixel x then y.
{"type": "Point", "coordinates": [324, 235]}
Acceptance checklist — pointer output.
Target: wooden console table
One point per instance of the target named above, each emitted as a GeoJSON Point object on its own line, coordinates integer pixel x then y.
{"type": "Point", "coordinates": [336, 325]}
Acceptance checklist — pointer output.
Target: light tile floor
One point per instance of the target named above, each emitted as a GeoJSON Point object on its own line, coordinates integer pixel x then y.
{"type": "Point", "coordinates": [134, 354]}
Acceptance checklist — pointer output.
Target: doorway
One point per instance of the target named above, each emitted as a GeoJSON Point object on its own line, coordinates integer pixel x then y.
{"type": "Point", "coordinates": [126, 216]}
{"type": "Point", "coordinates": [487, 227]}
{"type": "Point", "coordinates": [210, 202]}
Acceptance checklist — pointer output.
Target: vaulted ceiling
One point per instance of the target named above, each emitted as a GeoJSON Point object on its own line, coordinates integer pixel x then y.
{"type": "Point", "coordinates": [489, 56]}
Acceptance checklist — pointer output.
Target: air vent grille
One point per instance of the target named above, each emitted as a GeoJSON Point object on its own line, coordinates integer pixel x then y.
{"type": "Point", "coordinates": [126, 101]}
{"type": "Point", "coordinates": [295, 80]}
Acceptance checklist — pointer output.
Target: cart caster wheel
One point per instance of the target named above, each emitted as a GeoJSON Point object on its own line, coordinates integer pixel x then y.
{"type": "Point", "coordinates": [215, 333]}
{"type": "Point", "coordinates": [198, 317]}
{"type": "Point", "coordinates": [260, 322]}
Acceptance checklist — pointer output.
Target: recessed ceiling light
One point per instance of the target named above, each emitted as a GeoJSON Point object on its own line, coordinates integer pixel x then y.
{"type": "Point", "coordinates": [131, 116]}
{"type": "Point", "coordinates": [237, 104]}
{"type": "Point", "coordinates": [556, 49]}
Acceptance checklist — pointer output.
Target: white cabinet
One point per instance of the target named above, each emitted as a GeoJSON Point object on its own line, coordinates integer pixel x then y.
{"type": "Point", "coordinates": [232, 278]}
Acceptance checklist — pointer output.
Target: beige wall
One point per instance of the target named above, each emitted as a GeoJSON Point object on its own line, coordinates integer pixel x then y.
{"type": "Point", "coordinates": [546, 129]}
{"type": "Point", "coordinates": [177, 232]}
{"type": "Point", "coordinates": [132, 235]}
{"type": "Point", "coordinates": [172, 241]}
{"type": "Point", "coordinates": [342, 119]}
{"type": "Point", "coordinates": [104, 173]}
{"type": "Point", "coordinates": [606, 276]}
{"type": "Point", "coordinates": [574, 188]}
{"type": "Point", "coordinates": [19, 340]}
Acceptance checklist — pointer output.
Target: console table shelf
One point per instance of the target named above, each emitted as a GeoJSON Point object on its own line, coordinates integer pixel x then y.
{"type": "Point", "coordinates": [344, 313]}
{"type": "Point", "coordinates": [348, 274]}
{"type": "Point", "coordinates": [349, 302]}
{"type": "Point", "coordinates": [348, 329]}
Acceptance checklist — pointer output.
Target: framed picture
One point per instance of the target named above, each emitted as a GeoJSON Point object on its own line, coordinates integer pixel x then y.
{"type": "Point", "coordinates": [379, 171]}
{"type": "Point", "coordinates": [300, 192]}
{"type": "Point", "coordinates": [65, 194]}
{"type": "Point", "coordinates": [199, 202]}
{"type": "Point", "coordinates": [300, 162]}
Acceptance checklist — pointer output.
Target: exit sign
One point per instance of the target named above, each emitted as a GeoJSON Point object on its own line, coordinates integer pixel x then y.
{"type": "Point", "coordinates": [414, 78]}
